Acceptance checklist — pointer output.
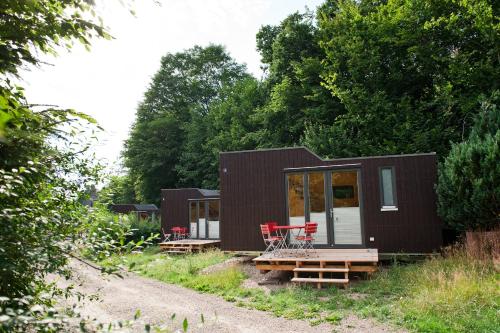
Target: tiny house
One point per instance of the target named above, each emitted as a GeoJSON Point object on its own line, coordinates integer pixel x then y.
{"type": "Point", "coordinates": [383, 202]}
{"type": "Point", "coordinates": [142, 211]}
{"type": "Point", "coordinates": [193, 208]}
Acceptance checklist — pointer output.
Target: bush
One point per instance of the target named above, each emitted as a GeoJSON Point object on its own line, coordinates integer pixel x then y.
{"type": "Point", "coordinates": [469, 178]}
{"type": "Point", "coordinates": [143, 228]}
{"type": "Point", "coordinates": [110, 233]}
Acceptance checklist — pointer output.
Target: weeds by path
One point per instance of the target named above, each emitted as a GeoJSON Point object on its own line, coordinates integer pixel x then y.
{"type": "Point", "coordinates": [452, 294]}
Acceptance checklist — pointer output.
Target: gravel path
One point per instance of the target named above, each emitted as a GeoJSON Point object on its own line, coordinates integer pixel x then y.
{"type": "Point", "coordinates": [121, 298]}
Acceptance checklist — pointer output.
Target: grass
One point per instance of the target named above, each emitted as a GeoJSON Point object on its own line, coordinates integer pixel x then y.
{"type": "Point", "coordinates": [451, 294]}
{"type": "Point", "coordinates": [183, 270]}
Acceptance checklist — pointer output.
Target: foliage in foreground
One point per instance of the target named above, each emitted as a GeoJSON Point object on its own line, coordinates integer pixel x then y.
{"type": "Point", "coordinates": [43, 169]}
{"type": "Point", "coordinates": [443, 294]}
{"type": "Point", "coordinates": [41, 187]}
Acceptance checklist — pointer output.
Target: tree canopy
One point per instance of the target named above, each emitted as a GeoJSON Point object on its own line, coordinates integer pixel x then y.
{"type": "Point", "coordinates": [354, 78]}
{"type": "Point", "coordinates": [410, 73]}
{"type": "Point", "coordinates": [165, 145]}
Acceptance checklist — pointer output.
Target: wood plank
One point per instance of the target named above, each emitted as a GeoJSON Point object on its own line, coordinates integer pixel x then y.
{"type": "Point", "coordinates": [316, 280]}
{"type": "Point", "coordinates": [368, 269]}
{"type": "Point", "coordinates": [325, 259]}
{"type": "Point", "coordinates": [324, 270]}
{"type": "Point", "coordinates": [274, 267]}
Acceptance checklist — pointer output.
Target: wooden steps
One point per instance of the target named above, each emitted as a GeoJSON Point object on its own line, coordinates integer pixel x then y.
{"type": "Point", "coordinates": [324, 270]}
{"type": "Point", "coordinates": [318, 280]}
{"type": "Point", "coordinates": [327, 266]}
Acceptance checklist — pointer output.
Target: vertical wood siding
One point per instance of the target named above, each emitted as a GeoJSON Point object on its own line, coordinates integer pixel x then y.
{"type": "Point", "coordinates": [174, 206]}
{"type": "Point", "coordinates": [252, 188]}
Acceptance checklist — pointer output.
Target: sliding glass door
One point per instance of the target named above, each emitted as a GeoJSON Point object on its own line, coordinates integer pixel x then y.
{"type": "Point", "coordinates": [213, 219]}
{"type": "Point", "coordinates": [193, 219]}
{"type": "Point", "coordinates": [317, 205]}
{"type": "Point", "coordinates": [204, 217]}
{"type": "Point", "coordinates": [331, 199]}
{"type": "Point", "coordinates": [306, 202]}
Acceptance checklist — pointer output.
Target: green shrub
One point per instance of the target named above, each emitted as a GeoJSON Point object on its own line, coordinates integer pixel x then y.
{"type": "Point", "coordinates": [110, 233]}
{"type": "Point", "coordinates": [142, 228]}
{"type": "Point", "coordinates": [469, 178]}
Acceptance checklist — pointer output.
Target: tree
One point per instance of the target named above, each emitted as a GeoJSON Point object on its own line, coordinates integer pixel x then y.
{"type": "Point", "coordinates": [469, 178]}
{"type": "Point", "coordinates": [118, 190]}
{"type": "Point", "coordinates": [409, 72]}
{"type": "Point", "coordinates": [231, 126]}
{"type": "Point", "coordinates": [165, 142]}
{"type": "Point", "coordinates": [43, 174]}
{"type": "Point", "coordinates": [292, 56]}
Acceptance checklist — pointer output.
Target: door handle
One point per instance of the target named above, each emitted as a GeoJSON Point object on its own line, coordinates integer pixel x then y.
{"type": "Point", "coordinates": [331, 213]}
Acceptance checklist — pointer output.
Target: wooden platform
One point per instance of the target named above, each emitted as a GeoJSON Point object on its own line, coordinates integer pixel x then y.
{"type": "Point", "coordinates": [324, 266]}
{"type": "Point", "coordinates": [189, 245]}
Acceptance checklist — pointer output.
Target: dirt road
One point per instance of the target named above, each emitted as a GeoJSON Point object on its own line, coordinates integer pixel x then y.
{"type": "Point", "coordinates": [157, 301]}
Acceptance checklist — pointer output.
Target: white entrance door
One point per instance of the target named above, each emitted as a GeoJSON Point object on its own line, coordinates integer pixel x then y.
{"type": "Point", "coordinates": [345, 211]}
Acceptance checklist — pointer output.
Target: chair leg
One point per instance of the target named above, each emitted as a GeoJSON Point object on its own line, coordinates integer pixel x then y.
{"type": "Point", "coordinates": [310, 247]}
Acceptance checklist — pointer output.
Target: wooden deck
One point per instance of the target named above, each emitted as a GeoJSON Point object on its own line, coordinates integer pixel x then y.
{"type": "Point", "coordinates": [324, 266]}
{"type": "Point", "coordinates": [189, 245]}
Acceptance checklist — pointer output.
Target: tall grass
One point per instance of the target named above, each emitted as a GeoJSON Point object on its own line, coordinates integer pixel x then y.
{"type": "Point", "coordinates": [445, 294]}
{"type": "Point", "coordinates": [451, 294]}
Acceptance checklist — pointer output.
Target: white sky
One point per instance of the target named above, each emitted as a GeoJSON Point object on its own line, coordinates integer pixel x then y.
{"type": "Point", "coordinates": [109, 81]}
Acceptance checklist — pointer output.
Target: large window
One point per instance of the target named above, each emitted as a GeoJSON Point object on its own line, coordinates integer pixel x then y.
{"type": "Point", "coordinates": [317, 210]}
{"type": "Point", "coordinates": [193, 220]}
{"type": "Point", "coordinates": [296, 199]}
{"type": "Point", "coordinates": [202, 227]}
{"type": "Point", "coordinates": [213, 218]}
{"type": "Point", "coordinates": [388, 188]}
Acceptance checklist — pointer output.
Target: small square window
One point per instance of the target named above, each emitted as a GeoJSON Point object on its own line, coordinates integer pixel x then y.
{"type": "Point", "coordinates": [388, 188]}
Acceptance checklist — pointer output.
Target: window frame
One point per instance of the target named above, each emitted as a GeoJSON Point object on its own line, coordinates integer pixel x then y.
{"type": "Point", "coordinates": [384, 207]}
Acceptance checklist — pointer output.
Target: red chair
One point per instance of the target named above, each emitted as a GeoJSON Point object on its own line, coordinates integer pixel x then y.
{"type": "Point", "coordinates": [306, 241]}
{"type": "Point", "coordinates": [184, 232]}
{"type": "Point", "coordinates": [273, 243]}
{"type": "Point", "coordinates": [180, 233]}
{"type": "Point", "coordinates": [271, 225]}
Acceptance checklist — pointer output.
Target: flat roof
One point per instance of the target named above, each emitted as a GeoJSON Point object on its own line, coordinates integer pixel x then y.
{"type": "Point", "coordinates": [326, 160]}
{"type": "Point", "coordinates": [204, 192]}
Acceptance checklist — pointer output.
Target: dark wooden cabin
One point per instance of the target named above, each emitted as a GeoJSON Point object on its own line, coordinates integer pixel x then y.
{"type": "Point", "coordinates": [142, 210]}
{"type": "Point", "coordinates": [193, 208]}
{"type": "Point", "coordinates": [383, 202]}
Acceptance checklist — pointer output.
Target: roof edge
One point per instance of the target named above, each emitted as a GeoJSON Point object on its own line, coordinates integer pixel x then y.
{"type": "Point", "coordinates": [263, 150]}
{"type": "Point", "coordinates": [380, 156]}
{"type": "Point", "coordinates": [322, 159]}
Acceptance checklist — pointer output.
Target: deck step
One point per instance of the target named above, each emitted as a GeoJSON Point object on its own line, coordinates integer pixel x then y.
{"type": "Point", "coordinates": [322, 270]}
{"type": "Point", "coordinates": [318, 280]}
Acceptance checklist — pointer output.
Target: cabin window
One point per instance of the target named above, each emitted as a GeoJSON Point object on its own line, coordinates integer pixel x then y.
{"type": "Point", "coordinates": [296, 208]}
{"type": "Point", "coordinates": [317, 208]}
{"type": "Point", "coordinates": [213, 218]}
{"type": "Point", "coordinates": [388, 188]}
{"type": "Point", "coordinates": [202, 226]}
{"type": "Point", "coordinates": [193, 220]}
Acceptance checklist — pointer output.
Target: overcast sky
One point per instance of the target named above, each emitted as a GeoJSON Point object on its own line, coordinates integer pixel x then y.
{"type": "Point", "coordinates": [109, 81]}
